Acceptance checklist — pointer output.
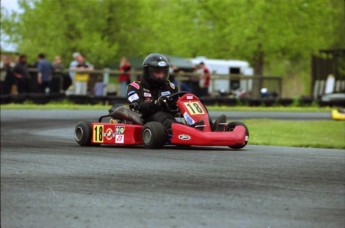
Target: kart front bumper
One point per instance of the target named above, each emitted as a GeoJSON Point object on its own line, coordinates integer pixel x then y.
{"type": "Point", "coordinates": [185, 135]}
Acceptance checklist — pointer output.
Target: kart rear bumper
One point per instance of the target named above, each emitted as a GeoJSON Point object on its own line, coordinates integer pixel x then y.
{"type": "Point", "coordinates": [185, 135]}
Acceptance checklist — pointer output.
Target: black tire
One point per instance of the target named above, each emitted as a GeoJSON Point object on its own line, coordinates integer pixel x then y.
{"type": "Point", "coordinates": [154, 135]}
{"type": "Point", "coordinates": [83, 134]}
{"type": "Point", "coordinates": [231, 127]}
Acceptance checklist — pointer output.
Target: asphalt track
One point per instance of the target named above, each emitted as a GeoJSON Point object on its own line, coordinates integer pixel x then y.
{"type": "Point", "coordinates": [47, 180]}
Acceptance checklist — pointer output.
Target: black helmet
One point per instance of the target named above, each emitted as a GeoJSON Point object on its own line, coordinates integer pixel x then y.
{"type": "Point", "coordinates": [152, 64]}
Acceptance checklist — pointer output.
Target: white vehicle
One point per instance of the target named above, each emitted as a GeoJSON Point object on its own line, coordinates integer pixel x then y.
{"type": "Point", "coordinates": [222, 69]}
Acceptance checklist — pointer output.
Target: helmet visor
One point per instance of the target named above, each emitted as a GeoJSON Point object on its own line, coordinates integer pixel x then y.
{"type": "Point", "coordinates": [159, 74]}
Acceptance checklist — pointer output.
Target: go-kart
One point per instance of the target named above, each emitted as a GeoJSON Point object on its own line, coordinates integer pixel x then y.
{"type": "Point", "coordinates": [193, 127]}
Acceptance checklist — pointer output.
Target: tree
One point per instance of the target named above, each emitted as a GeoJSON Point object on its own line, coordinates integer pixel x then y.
{"type": "Point", "coordinates": [256, 30]}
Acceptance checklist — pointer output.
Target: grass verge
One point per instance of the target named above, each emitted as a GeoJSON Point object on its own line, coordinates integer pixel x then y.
{"type": "Point", "coordinates": [71, 106]}
{"type": "Point", "coordinates": [317, 134]}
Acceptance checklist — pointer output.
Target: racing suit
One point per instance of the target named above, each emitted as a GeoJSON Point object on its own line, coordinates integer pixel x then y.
{"type": "Point", "coordinates": [143, 99]}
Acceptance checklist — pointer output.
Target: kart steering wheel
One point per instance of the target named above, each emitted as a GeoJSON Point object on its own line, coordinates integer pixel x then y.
{"type": "Point", "coordinates": [166, 100]}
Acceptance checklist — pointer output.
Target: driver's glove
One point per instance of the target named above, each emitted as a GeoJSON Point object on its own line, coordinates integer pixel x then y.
{"type": "Point", "coordinates": [157, 103]}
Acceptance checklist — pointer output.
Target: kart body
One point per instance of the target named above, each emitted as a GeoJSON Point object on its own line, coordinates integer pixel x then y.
{"type": "Point", "coordinates": [193, 127]}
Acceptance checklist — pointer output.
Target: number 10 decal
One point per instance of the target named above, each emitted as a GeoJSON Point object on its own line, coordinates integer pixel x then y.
{"type": "Point", "coordinates": [194, 108]}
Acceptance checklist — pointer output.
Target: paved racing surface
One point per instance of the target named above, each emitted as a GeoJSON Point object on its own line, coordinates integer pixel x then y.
{"type": "Point", "coordinates": [47, 180]}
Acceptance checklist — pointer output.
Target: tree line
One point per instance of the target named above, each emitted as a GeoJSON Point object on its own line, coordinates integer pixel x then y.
{"type": "Point", "coordinates": [259, 31]}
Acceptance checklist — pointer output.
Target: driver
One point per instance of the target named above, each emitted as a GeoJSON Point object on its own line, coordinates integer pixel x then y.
{"type": "Point", "coordinates": [143, 95]}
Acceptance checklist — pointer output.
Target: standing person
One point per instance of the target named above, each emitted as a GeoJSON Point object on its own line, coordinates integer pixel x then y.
{"type": "Point", "coordinates": [73, 64]}
{"type": "Point", "coordinates": [21, 74]}
{"type": "Point", "coordinates": [124, 77]}
{"type": "Point", "coordinates": [60, 80]}
{"type": "Point", "coordinates": [205, 78]}
{"type": "Point", "coordinates": [7, 75]}
{"type": "Point", "coordinates": [82, 75]}
{"type": "Point", "coordinates": [98, 88]}
{"type": "Point", "coordinates": [45, 72]}
{"type": "Point", "coordinates": [57, 64]}
{"type": "Point", "coordinates": [71, 72]}
{"type": "Point", "coordinates": [194, 81]}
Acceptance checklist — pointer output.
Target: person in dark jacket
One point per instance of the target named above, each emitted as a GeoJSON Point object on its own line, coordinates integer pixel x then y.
{"type": "Point", "coordinates": [143, 95]}
{"type": "Point", "coordinates": [21, 73]}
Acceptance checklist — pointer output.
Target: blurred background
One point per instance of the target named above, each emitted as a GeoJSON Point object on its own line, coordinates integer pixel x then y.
{"type": "Point", "coordinates": [287, 48]}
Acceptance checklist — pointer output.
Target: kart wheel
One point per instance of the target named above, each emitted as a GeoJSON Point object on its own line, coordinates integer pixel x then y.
{"type": "Point", "coordinates": [83, 134]}
{"type": "Point", "coordinates": [231, 127]}
{"type": "Point", "coordinates": [154, 135]}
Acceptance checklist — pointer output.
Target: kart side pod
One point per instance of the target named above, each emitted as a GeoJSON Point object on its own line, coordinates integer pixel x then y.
{"type": "Point", "coordinates": [185, 135]}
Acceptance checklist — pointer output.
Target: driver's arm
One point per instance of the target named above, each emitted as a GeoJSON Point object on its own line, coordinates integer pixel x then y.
{"type": "Point", "coordinates": [138, 102]}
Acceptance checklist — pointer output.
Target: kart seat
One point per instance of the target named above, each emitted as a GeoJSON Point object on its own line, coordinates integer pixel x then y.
{"type": "Point", "coordinates": [124, 113]}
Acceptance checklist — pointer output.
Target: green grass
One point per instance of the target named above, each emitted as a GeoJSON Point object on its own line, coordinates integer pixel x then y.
{"type": "Point", "coordinates": [270, 109]}
{"type": "Point", "coordinates": [317, 134]}
{"type": "Point", "coordinates": [70, 106]}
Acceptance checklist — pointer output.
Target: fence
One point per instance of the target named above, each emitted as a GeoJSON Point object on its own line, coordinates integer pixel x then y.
{"type": "Point", "coordinates": [273, 84]}
{"type": "Point", "coordinates": [219, 83]}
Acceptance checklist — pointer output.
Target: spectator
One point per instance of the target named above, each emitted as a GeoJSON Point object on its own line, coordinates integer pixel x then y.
{"type": "Point", "coordinates": [99, 87]}
{"type": "Point", "coordinates": [71, 72]}
{"type": "Point", "coordinates": [45, 72]}
{"type": "Point", "coordinates": [60, 81]}
{"type": "Point", "coordinates": [21, 74]}
{"type": "Point", "coordinates": [73, 64]}
{"type": "Point", "coordinates": [194, 81]}
{"type": "Point", "coordinates": [7, 77]}
{"type": "Point", "coordinates": [205, 78]}
{"type": "Point", "coordinates": [124, 77]}
{"type": "Point", "coordinates": [57, 64]}
{"type": "Point", "coordinates": [173, 70]}
{"type": "Point", "coordinates": [82, 75]}
{"type": "Point", "coordinates": [184, 82]}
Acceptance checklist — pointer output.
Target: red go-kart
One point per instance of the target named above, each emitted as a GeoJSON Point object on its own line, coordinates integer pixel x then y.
{"type": "Point", "coordinates": [193, 127]}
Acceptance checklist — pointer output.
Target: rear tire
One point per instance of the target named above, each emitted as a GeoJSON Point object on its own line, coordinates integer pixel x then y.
{"type": "Point", "coordinates": [231, 127]}
{"type": "Point", "coordinates": [83, 134]}
{"type": "Point", "coordinates": [154, 135]}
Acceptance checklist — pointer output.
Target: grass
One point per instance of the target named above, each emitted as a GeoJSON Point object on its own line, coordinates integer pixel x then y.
{"type": "Point", "coordinates": [71, 106]}
{"type": "Point", "coordinates": [317, 134]}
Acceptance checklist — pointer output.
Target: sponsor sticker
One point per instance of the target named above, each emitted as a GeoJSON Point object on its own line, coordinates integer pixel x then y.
{"type": "Point", "coordinates": [119, 134]}
{"type": "Point", "coordinates": [189, 97]}
{"type": "Point", "coordinates": [184, 137]}
{"type": "Point", "coordinates": [162, 64]}
{"type": "Point", "coordinates": [109, 134]}
{"type": "Point", "coordinates": [119, 130]}
{"type": "Point", "coordinates": [119, 138]}
{"type": "Point", "coordinates": [135, 85]}
{"type": "Point", "coordinates": [189, 119]}
{"type": "Point", "coordinates": [133, 97]}
{"type": "Point", "coordinates": [147, 94]}
{"type": "Point", "coordinates": [130, 93]}
{"type": "Point", "coordinates": [165, 93]}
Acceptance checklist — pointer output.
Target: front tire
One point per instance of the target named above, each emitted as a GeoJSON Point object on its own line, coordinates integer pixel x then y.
{"type": "Point", "coordinates": [83, 134]}
{"type": "Point", "coordinates": [231, 127]}
{"type": "Point", "coordinates": [154, 135]}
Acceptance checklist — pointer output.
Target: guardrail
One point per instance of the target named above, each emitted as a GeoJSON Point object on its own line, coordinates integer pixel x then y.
{"type": "Point", "coordinates": [270, 82]}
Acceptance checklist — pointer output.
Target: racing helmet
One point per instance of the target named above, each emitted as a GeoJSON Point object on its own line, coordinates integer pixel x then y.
{"type": "Point", "coordinates": [156, 69]}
